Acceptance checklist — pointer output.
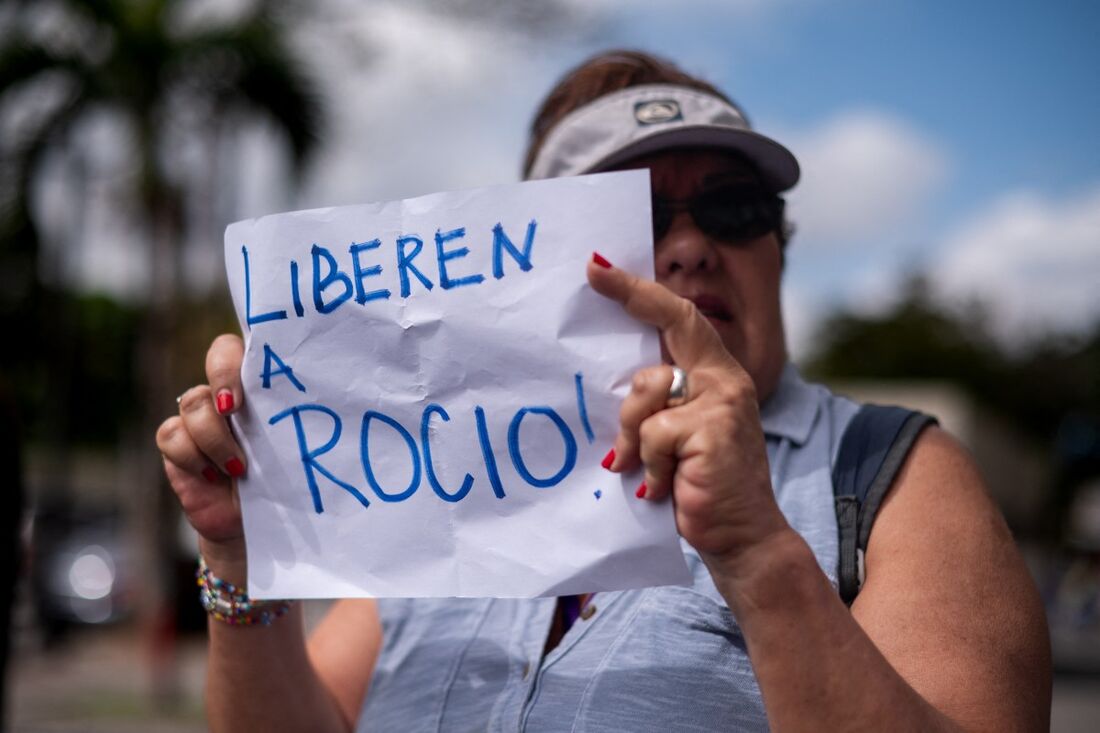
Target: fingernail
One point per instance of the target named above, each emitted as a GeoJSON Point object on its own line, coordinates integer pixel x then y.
{"type": "Point", "coordinates": [225, 401]}
{"type": "Point", "coordinates": [599, 260]}
{"type": "Point", "coordinates": [234, 467]}
{"type": "Point", "coordinates": [640, 493]}
{"type": "Point", "coordinates": [608, 459]}
{"type": "Point", "coordinates": [210, 474]}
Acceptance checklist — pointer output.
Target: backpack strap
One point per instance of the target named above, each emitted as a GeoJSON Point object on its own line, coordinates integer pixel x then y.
{"type": "Point", "coordinates": [872, 451]}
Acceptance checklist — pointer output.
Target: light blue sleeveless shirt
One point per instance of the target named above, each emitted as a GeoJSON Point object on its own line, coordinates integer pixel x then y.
{"type": "Point", "coordinates": [656, 659]}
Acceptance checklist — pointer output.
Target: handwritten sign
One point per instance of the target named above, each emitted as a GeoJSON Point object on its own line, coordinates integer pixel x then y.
{"type": "Point", "coordinates": [430, 388]}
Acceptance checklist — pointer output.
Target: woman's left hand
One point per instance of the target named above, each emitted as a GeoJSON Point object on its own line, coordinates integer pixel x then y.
{"type": "Point", "coordinates": [708, 453]}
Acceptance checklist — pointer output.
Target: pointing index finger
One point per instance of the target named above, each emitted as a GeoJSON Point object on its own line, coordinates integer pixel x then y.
{"type": "Point", "coordinates": [690, 340]}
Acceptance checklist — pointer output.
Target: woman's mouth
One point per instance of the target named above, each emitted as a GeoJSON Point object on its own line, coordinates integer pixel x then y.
{"type": "Point", "coordinates": [712, 308]}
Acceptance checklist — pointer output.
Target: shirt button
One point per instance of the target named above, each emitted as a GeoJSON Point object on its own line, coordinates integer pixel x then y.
{"type": "Point", "coordinates": [526, 669]}
{"type": "Point", "coordinates": [588, 612]}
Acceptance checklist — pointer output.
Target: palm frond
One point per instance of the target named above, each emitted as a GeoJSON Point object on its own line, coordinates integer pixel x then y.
{"type": "Point", "coordinates": [260, 74]}
{"type": "Point", "coordinates": [22, 62]}
{"type": "Point", "coordinates": [20, 164]}
{"type": "Point", "coordinates": [107, 12]}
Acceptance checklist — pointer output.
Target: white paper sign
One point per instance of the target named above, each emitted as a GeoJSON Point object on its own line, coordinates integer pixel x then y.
{"type": "Point", "coordinates": [430, 386]}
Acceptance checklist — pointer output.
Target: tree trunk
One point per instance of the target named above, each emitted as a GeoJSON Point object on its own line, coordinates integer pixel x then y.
{"type": "Point", "coordinates": [157, 506]}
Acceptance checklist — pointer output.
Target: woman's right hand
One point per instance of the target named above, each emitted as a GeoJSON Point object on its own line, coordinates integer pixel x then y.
{"type": "Point", "coordinates": [202, 459]}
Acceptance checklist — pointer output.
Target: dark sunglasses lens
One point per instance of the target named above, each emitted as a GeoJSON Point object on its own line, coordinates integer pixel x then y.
{"type": "Point", "coordinates": [736, 213]}
{"type": "Point", "coordinates": [662, 218]}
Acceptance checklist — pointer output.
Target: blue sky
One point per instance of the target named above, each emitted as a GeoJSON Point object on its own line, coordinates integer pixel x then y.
{"type": "Point", "coordinates": [1010, 87]}
{"type": "Point", "coordinates": [1003, 94]}
{"type": "Point", "coordinates": [956, 138]}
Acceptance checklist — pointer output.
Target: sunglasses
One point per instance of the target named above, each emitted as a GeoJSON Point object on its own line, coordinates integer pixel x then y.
{"type": "Point", "coordinates": [730, 213]}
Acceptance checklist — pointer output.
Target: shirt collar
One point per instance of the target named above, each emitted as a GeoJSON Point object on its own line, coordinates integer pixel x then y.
{"type": "Point", "coordinates": [792, 408]}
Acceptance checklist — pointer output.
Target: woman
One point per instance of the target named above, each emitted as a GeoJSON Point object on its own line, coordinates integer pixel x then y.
{"type": "Point", "coordinates": [947, 632]}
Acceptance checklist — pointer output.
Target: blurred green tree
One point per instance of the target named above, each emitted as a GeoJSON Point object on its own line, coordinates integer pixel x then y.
{"type": "Point", "coordinates": [1048, 387]}
{"type": "Point", "coordinates": [1034, 383]}
{"type": "Point", "coordinates": [168, 80]}
{"type": "Point", "coordinates": [917, 338]}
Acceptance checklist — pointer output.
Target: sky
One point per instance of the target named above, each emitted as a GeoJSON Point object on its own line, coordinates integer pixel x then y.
{"type": "Point", "coordinates": [955, 139]}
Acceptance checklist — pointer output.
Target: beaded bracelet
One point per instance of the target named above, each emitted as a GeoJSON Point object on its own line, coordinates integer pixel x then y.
{"type": "Point", "coordinates": [229, 604]}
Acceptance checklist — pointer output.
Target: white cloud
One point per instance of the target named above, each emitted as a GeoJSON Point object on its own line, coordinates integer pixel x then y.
{"type": "Point", "coordinates": [1032, 261]}
{"type": "Point", "coordinates": [864, 173]}
{"type": "Point", "coordinates": [427, 100]}
{"type": "Point", "coordinates": [432, 105]}
{"type": "Point", "coordinates": [420, 100]}
{"type": "Point", "coordinates": [1035, 260]}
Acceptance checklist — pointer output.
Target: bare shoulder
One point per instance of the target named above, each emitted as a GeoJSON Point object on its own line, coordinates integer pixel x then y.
{"type": "Point", "coordinates": [948, 599]}
{"type": "Point", "coordinates": [344, 648]}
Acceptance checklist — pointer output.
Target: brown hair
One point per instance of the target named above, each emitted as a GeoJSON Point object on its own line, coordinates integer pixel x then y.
{"type": "Point", "coordinates": [606, 72]}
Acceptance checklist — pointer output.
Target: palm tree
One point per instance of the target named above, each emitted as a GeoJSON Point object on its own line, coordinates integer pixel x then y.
{"type": "Point", "coordinates": [142, 62]}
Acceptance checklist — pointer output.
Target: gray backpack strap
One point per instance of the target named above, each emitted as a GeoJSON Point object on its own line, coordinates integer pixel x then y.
{"type": "Point", "coordinates": [872, 451]}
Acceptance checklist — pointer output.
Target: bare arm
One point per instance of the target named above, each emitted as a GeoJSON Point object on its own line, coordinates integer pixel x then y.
{"type": "Point", "coordinates": [344, 648]}
{"type": "Point", "coordinates": [258, 677]}
{"type": "Point", "coordinates": [265, 677]}
{"type": "Point", "coordinates": [947, 634]}
{"type": "Point", "coordinates": [948, 599]}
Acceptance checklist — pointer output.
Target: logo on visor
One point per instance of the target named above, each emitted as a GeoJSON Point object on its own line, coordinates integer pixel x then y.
{"type": "Point", "coordinates": [657, 111]}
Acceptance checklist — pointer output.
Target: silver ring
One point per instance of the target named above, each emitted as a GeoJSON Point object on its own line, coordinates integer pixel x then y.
{"type": "Point", "coordinates": [179, 399]}
{"type": "Point", "coordinates": [678, 390]}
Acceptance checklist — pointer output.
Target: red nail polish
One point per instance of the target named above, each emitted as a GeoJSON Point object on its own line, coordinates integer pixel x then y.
{"type": "Point", "coordinates": [234, 467]}
{"type": "Point", "coordinates": [210, 475]}
{"type": "Point", "coordinates": [225, 401]}
{"type": "Point", "coordinates": [640, 493]}
{"type": "Point", "coordinates": [599, 260]}
{"type": "Point", "coordinates": [608, 459]}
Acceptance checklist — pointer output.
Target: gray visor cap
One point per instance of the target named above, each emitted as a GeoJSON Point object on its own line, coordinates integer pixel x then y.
{"type": "Point", "coordinates": [654, 117]}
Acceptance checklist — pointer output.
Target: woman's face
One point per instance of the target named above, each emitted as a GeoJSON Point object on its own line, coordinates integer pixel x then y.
{"type": "Point", "coordinates": [734, 284]}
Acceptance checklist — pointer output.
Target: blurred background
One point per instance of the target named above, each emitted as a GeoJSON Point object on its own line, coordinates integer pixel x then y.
{"type": "Point", "coordinates": [947, 257]}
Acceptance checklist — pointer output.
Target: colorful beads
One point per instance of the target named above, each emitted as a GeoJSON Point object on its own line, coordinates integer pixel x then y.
{"type": "Point", "coordinates": [229, 604]}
